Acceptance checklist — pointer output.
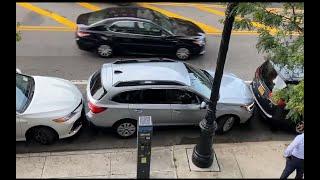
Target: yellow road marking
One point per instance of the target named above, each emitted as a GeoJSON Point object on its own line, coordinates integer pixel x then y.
{"type": "Point", "coordinates": [43, 28]}
{"type": "Point", "coordinates": [205, 27]}
{"type": "Point", "coordinates": [188, 4]}
{"type": "Point", "coordinates": [220, 13]}
{"type": "Point", "coordinates": [90, 6]}
{"type": "Point", "coordinates": [51, 15]}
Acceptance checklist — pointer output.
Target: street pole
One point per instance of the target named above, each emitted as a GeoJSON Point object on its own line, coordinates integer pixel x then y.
{"type": "Point", "coordinates": [202, 155]}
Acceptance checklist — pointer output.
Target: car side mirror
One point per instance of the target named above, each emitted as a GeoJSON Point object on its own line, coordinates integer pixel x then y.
{"type": "Point", "coordinates": [18, 71]}
{"type": "Point", "coordinates": [203, 105]}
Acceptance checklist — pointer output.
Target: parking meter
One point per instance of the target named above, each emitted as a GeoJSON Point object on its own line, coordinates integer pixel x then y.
{"type": "Point", "coordinates": [145, 129]}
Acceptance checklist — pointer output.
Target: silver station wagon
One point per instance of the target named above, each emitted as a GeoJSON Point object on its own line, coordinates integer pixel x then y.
{"type": "Point", "coordinates": [172, 92]}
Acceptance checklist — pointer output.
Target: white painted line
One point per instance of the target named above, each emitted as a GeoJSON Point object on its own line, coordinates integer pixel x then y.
{"type": "Point", "coordinates": [84, 82]}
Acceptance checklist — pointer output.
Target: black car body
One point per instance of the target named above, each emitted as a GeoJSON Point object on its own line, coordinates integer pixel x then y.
{"type": "Point", "coordinates": [138, 30]}
{"type": "Point", "coordinates": [268, 77]}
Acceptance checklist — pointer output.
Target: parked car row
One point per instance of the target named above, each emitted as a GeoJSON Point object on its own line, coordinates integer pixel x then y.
{"type": "Point", "coordinates": [172, 92]}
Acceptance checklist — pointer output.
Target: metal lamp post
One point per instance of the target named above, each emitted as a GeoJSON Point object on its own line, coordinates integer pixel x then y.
{"type": "Point", "coordinates": [202, 155]}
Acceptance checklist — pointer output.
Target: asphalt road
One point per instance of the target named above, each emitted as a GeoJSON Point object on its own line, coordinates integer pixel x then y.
{"type": "Point", "coordinates": [54, 53]}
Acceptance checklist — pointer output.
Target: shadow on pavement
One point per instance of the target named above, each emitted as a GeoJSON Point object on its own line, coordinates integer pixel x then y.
{"type": "Point", "coordinates": [90, 138]}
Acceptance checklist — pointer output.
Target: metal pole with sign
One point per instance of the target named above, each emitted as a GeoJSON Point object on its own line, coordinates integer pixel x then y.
{"type": "Point", "coordinates": [145, 129]}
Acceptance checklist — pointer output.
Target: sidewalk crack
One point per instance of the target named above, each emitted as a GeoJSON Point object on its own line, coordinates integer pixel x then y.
{"type": "Point", "coordinates": [238, 164]}
{"type": "Point", "coordinates": [174, 163]}
{"type": "Point", "coordinates": [44, 164]}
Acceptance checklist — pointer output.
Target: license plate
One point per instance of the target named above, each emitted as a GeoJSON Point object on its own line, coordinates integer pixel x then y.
{"type": "Point", "coordinates": [261, 90]}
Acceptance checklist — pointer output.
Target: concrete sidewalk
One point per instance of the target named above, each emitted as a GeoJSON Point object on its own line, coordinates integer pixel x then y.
{"type": "Point", "coordinates": [236, 160]}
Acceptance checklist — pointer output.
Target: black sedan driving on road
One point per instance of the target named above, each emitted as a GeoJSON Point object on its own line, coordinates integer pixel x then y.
{"type": "Point", "coordinates": [138, 30]}
{"type": "Point", "coordinates": [270, 77]}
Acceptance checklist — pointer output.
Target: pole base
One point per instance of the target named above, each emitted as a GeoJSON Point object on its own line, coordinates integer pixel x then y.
{"type": "Point", "coordinates": [201, 161]}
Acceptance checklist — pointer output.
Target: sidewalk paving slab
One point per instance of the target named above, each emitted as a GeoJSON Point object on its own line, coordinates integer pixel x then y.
{"type": "Point", "coordinates": [29, 167]}
{"type": "Point", "coordinates": [76, 165]}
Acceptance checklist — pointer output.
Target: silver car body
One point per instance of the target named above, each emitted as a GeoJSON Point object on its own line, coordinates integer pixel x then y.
{"type": "Point", "coordinates": [53, 98]}
{"type": "Point", "coordinates": [235, 96]}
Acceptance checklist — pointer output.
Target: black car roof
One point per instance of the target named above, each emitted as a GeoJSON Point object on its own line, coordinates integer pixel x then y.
{"type": "Point", "coordinates": [135, 12]}
{"type": "Point", "coordinates": [294, 74]}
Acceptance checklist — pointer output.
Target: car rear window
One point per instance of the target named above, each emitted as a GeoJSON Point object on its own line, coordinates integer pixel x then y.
{"type": "Point", "coordinates": [96, 88]}
{"type": "Point", "coordinates": [268, 74]}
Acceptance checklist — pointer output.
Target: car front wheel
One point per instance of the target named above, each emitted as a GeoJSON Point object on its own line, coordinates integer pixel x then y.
{"type": "Point", "coordinates": [43, 135]}
{"type": "Point", "coordinates": [104, 50]}
{"type": "Point", "coordinates": [183, 53]}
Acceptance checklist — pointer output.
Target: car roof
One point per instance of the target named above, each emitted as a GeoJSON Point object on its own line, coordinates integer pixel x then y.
{"type": "Point", "coordinates": [133, 12]}
{"type": "Point", "coordinates": [295, 74]}
{"type": "Point", "coordinates": [145, 70]}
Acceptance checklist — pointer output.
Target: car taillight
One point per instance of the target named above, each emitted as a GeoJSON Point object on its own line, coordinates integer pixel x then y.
{"type": "Point", "coordinates": [282, 103]}
{"type": "Point", "coordinates": [82, 34]}
{"type": "Point", "coordinates": [95, 109]}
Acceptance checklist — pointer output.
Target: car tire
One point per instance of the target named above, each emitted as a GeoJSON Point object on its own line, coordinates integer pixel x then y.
{"type": "Point", "coordinates": [126, 128]}
{"type": "Point", "coordinates": [183, 53]}
{"type": "Point", "coordinates": [104, 50]}
{"type": "Point", "coordinates": [225, 123]}
{"type": "Point", "coordinates": [43, 135]}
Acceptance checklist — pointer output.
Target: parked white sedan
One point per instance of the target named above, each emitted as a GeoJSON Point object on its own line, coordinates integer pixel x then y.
{"type": "Point", "coordinates": [47, 108]}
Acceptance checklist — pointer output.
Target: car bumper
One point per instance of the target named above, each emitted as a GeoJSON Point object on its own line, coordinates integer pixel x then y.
{"type": "Point", "coordinates": [85, 44]}
{"type": "Point", "coordinates": [199, 50]}
{"type": "Point", "coordinates": [259, 105]}
{"type": "Point", "coordinates": [72, 126]}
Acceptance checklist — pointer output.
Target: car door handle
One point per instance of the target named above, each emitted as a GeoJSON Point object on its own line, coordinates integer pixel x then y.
{"type": "Point", "coordinates": [138, 110]}
{"type": "Point", "coordinates": [176, 110]}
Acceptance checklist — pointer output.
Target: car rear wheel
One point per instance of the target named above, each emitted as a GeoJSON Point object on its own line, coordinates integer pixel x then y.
{"type": "Point", "coordinates": [126, 128]}
{"type": "Point", "coordinates": [183, 53]}
{"type": "Point", "coordinates": [43, 135]}
{"type": "Point", "coordinates": [104, 50]}
{"type": "Point", "coordinates": [225, 124]}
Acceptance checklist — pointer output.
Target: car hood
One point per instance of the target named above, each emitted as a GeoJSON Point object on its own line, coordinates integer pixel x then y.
{"type": "Point", "coordinates": [233, 90]}
{"type": "Point", "coordinates": [52, 98]}
{"type": "Point", "coordinates": [182, 27]}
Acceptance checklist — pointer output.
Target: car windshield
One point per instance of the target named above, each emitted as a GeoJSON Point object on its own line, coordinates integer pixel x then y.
{"type": "Point", "coordinates": [163, 21]}
{"type": "Point", "coordinates": [199, 80]}
{"type": "Point", "coordinates": [24, 91]}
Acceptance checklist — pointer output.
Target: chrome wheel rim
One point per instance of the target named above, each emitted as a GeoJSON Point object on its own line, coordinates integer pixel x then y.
{"type": "Point", "coordinates": [105, 50]}
{"type": "Point", "coordinates": [183, 53]}
{"type": "Point", "coordinates": [126, 129]}
{"type": "Point", "coordinates": [228, 124]}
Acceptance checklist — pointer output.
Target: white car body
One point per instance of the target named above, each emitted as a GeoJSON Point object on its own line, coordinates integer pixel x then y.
{"type": "Point", "coordinates": [53, 98]}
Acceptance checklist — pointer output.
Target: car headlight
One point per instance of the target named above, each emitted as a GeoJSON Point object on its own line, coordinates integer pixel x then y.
{"type": "Point", "coordinates": [69, 116]}
{"type": "Point", "coordinates": [199, 42]}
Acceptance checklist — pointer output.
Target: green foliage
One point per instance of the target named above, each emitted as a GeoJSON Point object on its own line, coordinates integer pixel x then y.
{"type": "Point", "coordinates": [18, 34]}
{"type": "Point", "coordinates": [294, 96]}
{"type": "Point", "coordinates": [280, 39]}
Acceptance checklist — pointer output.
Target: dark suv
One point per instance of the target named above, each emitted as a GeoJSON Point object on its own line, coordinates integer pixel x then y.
{"type": "Point", "coordinates": [138, 30]}
{"type": "Point", "coordinates": [269, 77]}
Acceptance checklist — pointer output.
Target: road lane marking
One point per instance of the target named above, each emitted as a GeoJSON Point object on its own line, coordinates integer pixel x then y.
{"type": "Point", "coordinates": [205, 27]}
{"type": "Point", "coordinates": [44, 28]}
{"type": "Point", "coordinates": [79, 82]}
{"type": "Point", "coordinates": [90, 6]}
{"type": "Point", "coordinates": [51, 15]}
